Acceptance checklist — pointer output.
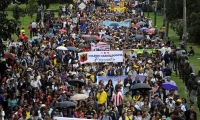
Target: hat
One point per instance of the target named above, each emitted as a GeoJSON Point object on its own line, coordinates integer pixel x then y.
{"type": "Point", "coordinates": [179, 100]}
{"type": "Point", "coordinates": [106, 111]}
{"type": "Point", "coordinates": [29, 69]}
{"type": "Point", "coordinates": [164, 117]}
{"type": "Point", "coordinates": [80, 68]}
{"type": "Point", "coordinates": [3, 60]}
{"type": "Point", "coordinates": [192, 74]}
{"type": "Point", "coordinates": [120, 83]}
{"type": "Point", "coordinates": [101, 72]}
{"type": "Point", "coordinates": [106, 64]}
{"type": "Point", "coordinates": [149, 61]}
{"type": "Point", "coordinates": [20, 111]}
{"type": "Point", "coordinates": [43, 105]}
{"type": "Point", "coordinates": [170, 98]}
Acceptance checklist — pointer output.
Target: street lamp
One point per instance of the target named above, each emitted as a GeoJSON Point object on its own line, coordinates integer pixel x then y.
{"type": "Point", "coordinates": [155, 12]}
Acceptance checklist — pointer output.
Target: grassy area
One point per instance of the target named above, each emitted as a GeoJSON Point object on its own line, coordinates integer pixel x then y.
{"type": "Point", "coordinates": [192, 59]}
{"type": "Point", "coordinates": [26, 20]}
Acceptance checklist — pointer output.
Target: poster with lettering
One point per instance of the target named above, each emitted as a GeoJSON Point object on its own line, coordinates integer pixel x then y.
{"type": "Point", "coordinates": [100, 47]}
{"type": "Point", "coordinates": [100, 56]}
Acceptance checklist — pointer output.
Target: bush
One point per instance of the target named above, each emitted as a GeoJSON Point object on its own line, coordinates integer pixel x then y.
{"type": "Point", "coordinates": [145, 8]}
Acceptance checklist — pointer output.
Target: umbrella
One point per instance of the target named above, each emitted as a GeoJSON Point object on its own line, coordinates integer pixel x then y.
{"type": "Point", "coordinates": [79, 97]}
{"type": "Point", "coordinates": [107, 37]}
{"type": "Point", "coordinates": [114, 24]}
{"type": "Point", "coordinates": [35, 37]}
{"type": "Point", "coordinates": [169, 86]}
{"type": "Point", "coordinates": [74, 82]}
{"type": "Point", "coordinates": [141, 86]}
{"type": "Point", "coordinates": [62, 30]}
{"type": "Point", "coordinates": [101, 43]}
{"type": "Point", "coordinates": [141, 23]}
{"type": "Point", "coordinates": [85, 35]}
{"type": "Point", "coordinates": [83, 46]}
{"type": "Point", "coordinates": [66, 104]}
{"type": "Point", "coordinates": [139, 37]}
{"type": "Point", "coordinates": [150, 31]}
{"type": "Point", "coordinates": [72, 48]}
{"type": "Point", "coordinates": [97, 37]}
{"type": "Point", "coordinates": [128, 20]}
{"type": "Point", "coordinates": [135, 26]}
{"type": "Point", "coordinates": [119, 14]}
{"type": "Point", "coordinates": [61, 48]}
{"type": "Point", "coordinates": [91, 38]}
{"type": "Point", "coordinates": [109, 14]}
{"type": "Point", "coordinates": [10, 55]}
{"type": "Point", "coordinates": [137, 18]}
{"type": "Point", "coordinates": [49, 35]}
{"type": "Point", "coordinates": [144, 28]}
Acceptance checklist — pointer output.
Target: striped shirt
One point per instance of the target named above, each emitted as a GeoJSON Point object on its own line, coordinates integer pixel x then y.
{"type": "Point", "coordinates": [117, 98]}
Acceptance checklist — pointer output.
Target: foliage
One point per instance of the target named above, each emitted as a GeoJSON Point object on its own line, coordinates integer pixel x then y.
{"type": "Point", "coordinates": [32, 7]}
{"type": "Point", "coordinates": [7, 26]}
{"type": "Point", "coordinates": [16, 12]}
{"type": "Point", "coordinates": [145, 8]}
{"type": "Point", "coordinates": [4, 4]}
{"type": "Point", "coordinates": [174, 9]}
{"type": "Point", "coordinates": [177, 27]}
{"type": "Point", "coordinates": [47, 3]}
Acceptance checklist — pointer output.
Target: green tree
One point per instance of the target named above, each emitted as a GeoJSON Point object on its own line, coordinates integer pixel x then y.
{"type": "Point", "coordinates": [174, 11]}
{"type": "Point", "coordinates": [32, 7]}
{"type": "Point", "coordinates": [16, 12]}
{"type": "Point", "coordinates": [177, 27]}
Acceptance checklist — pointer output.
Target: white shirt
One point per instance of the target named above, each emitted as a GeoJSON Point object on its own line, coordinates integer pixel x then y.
{"type": "Point", "coordinates": [35, 83]}
{"type": "Point", "coordinates": [86, 92]}
{"type": "Point", "coordinates": [34, 25]}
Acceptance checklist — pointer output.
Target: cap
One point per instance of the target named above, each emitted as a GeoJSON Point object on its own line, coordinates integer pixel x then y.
{"type": "Point", "coordinates": [170, 98]}
{"type": "Point", "coordinates": [106, 111]}
{"type": "Point", "coordinates": [164, 117]}
{"type": "Point", "coordinates": [179, 100]}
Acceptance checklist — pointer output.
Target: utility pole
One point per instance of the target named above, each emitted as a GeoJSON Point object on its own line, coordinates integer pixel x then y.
{"type": "Point", "coordinates": [184, 24]}
{"type": "Point", "coordinates": [155, 12]}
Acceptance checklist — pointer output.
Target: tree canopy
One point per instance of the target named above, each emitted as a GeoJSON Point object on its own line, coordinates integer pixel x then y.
{"type": "Point", "coordinates": [174, 12]}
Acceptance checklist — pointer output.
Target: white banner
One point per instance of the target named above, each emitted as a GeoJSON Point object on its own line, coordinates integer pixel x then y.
{"type": "Point", "coordinates": [100, 56]}
{"type": "Point", "coordinates": [66, 118]}
{"type": "Point", "coordinates": [95, 47]}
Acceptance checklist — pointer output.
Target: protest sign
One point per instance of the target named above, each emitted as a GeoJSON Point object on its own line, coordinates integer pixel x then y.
{"type": "Point", "coordinates": [120, 24]}
{"type": "Point", "coordinates": [100, 48]}
{"type": "Point", "coordinates": [115, 79]}
{"type": "Point", "coordinates": [100, 56]}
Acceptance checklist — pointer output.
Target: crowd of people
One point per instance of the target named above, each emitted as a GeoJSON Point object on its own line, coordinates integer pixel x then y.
{"type": "Point", "coordinates": [41, 82]}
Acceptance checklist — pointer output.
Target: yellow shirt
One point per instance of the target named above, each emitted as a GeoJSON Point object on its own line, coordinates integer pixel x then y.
{"type": "Point", "coordinates": [54, 61]}
{"type": "Point", "coordinates": [102, 97]}
{"type": "Point", "coordinates": [92, 78]}
{"type": "Point", "coordinates": [28, 115]}
{"type": "Point", "coordinates": [136, 98]}
{"type": "Point", "coordinates": [129, 117]}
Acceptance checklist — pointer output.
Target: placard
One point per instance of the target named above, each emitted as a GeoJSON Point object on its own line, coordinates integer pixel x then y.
{"type": "Point", "coordinates": [100, 56]}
